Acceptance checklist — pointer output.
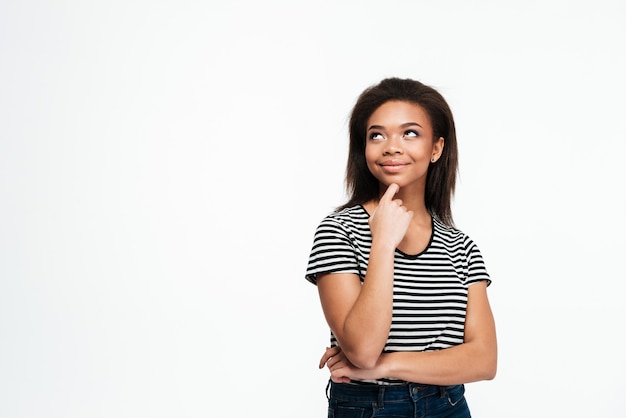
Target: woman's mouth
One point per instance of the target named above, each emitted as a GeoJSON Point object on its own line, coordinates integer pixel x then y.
{"type": "Point", "coordinates": [393, 166]}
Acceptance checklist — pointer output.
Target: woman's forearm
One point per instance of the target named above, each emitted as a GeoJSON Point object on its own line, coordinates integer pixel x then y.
{"type": "Point", "coordinates": [366, 327]}
{"type": "Point", "coordinates": [464, 363]}
{"type": "Point", "coordinates": [461, 364]}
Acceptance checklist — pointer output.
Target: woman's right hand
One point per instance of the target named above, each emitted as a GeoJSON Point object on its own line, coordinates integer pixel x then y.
{"type": "Point", "coordinates": [390, 220]}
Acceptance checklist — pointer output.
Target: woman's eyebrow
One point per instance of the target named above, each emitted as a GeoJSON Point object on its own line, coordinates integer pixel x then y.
{"type": "Point", "coordinates": [375, 127]}
{"type": "Point", "coordinates": [404, 125]}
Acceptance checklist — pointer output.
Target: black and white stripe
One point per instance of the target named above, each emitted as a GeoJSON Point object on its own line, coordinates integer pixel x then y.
{"type": "Point", "coordinates": [430, 288]}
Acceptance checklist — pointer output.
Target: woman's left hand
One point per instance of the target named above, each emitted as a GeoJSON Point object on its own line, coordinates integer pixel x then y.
{"type": "Point", "coordinates": [340, 367]}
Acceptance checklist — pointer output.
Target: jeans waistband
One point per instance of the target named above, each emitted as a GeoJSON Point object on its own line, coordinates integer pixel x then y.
{"type": "Point", "coordinates": [379, 394]}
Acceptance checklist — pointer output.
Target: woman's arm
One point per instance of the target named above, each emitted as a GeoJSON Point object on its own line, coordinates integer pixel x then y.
{"type": "Point", "coordinates": [360, 315]}
{"type": "Point", "coordinates": [474, 360]}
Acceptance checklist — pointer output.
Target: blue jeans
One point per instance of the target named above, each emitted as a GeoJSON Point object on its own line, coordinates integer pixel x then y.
{"type": "Point", "coordinates": [409, 400]}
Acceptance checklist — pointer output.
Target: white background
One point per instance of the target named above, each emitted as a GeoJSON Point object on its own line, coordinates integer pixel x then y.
{"type": "Point", "coordinates": [163, 166]}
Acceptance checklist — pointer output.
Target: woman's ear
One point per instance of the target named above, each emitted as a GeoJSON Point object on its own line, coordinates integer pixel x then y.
{"type": "Point", "coordinates": [437, 149]}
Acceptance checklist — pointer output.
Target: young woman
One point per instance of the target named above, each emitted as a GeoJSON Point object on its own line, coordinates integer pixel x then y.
{"type": "Point", "coordinates": [403, 291]}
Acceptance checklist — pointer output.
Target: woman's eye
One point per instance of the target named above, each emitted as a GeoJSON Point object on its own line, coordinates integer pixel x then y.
{"type": "Point", "coordinates": [375, 136]}
{"type": "Point", "coordinates": [411, 133]}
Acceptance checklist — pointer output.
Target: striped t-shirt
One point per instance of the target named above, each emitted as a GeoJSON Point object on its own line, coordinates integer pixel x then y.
{"type": "Point", "coordinates": [429, 289]}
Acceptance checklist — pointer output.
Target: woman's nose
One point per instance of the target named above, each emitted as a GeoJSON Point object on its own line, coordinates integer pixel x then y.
{"type": "Point", "coordinates": [392, 146]}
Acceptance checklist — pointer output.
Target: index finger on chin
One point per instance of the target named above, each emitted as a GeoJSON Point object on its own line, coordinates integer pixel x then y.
{"type": "Point", "coordinates": [390, 192]}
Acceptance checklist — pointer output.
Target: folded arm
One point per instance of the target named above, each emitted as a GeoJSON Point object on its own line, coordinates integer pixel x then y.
{"type": "Point", "coordinates": [474, 360]}
{"type": "Point", "coordinates": [360, 315]}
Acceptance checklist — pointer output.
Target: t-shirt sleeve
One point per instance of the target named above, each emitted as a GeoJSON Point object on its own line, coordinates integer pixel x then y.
{"type": "Point", "coordinates": [476, 269]}
{"type": "Point", "coordinates": [332, 251]}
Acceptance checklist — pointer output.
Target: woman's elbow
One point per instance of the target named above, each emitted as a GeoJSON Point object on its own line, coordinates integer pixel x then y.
{"type": "Point", "coordinates": [489, 373]}
{"type": "Point", "coordinates": [487, 360]}
{"type": "Point", "coordinates": [363, 359]}
{"type": "Point", "coordinates": [489, 368]}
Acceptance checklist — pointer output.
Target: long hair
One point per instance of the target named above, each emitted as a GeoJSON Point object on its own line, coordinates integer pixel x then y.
{"type": "Point", "coordinates": [362, 186]}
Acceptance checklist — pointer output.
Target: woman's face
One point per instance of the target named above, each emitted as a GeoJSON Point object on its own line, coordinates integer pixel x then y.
{"type": "Point", "coordinates": [399, 144]}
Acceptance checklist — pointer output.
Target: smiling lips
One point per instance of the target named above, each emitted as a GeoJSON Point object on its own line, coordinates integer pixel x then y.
{"type": "Point", "coordinates": [393, 166]}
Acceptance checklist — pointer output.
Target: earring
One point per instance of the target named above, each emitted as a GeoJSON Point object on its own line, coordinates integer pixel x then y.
{"type": "Point", "coordinates": [432, 160]}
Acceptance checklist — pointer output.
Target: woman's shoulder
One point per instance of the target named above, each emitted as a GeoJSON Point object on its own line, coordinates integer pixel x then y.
{"type": "Point", "coordinates": [453, 235]}
{"type": "Point", "coordinates": [351, 214]}
{"type": "Point", "coordinates": [447, 229]}
{"type": "Point", "coordinates": [449, 232]}
{"type": "Point", "coordinates": [353, 218]}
